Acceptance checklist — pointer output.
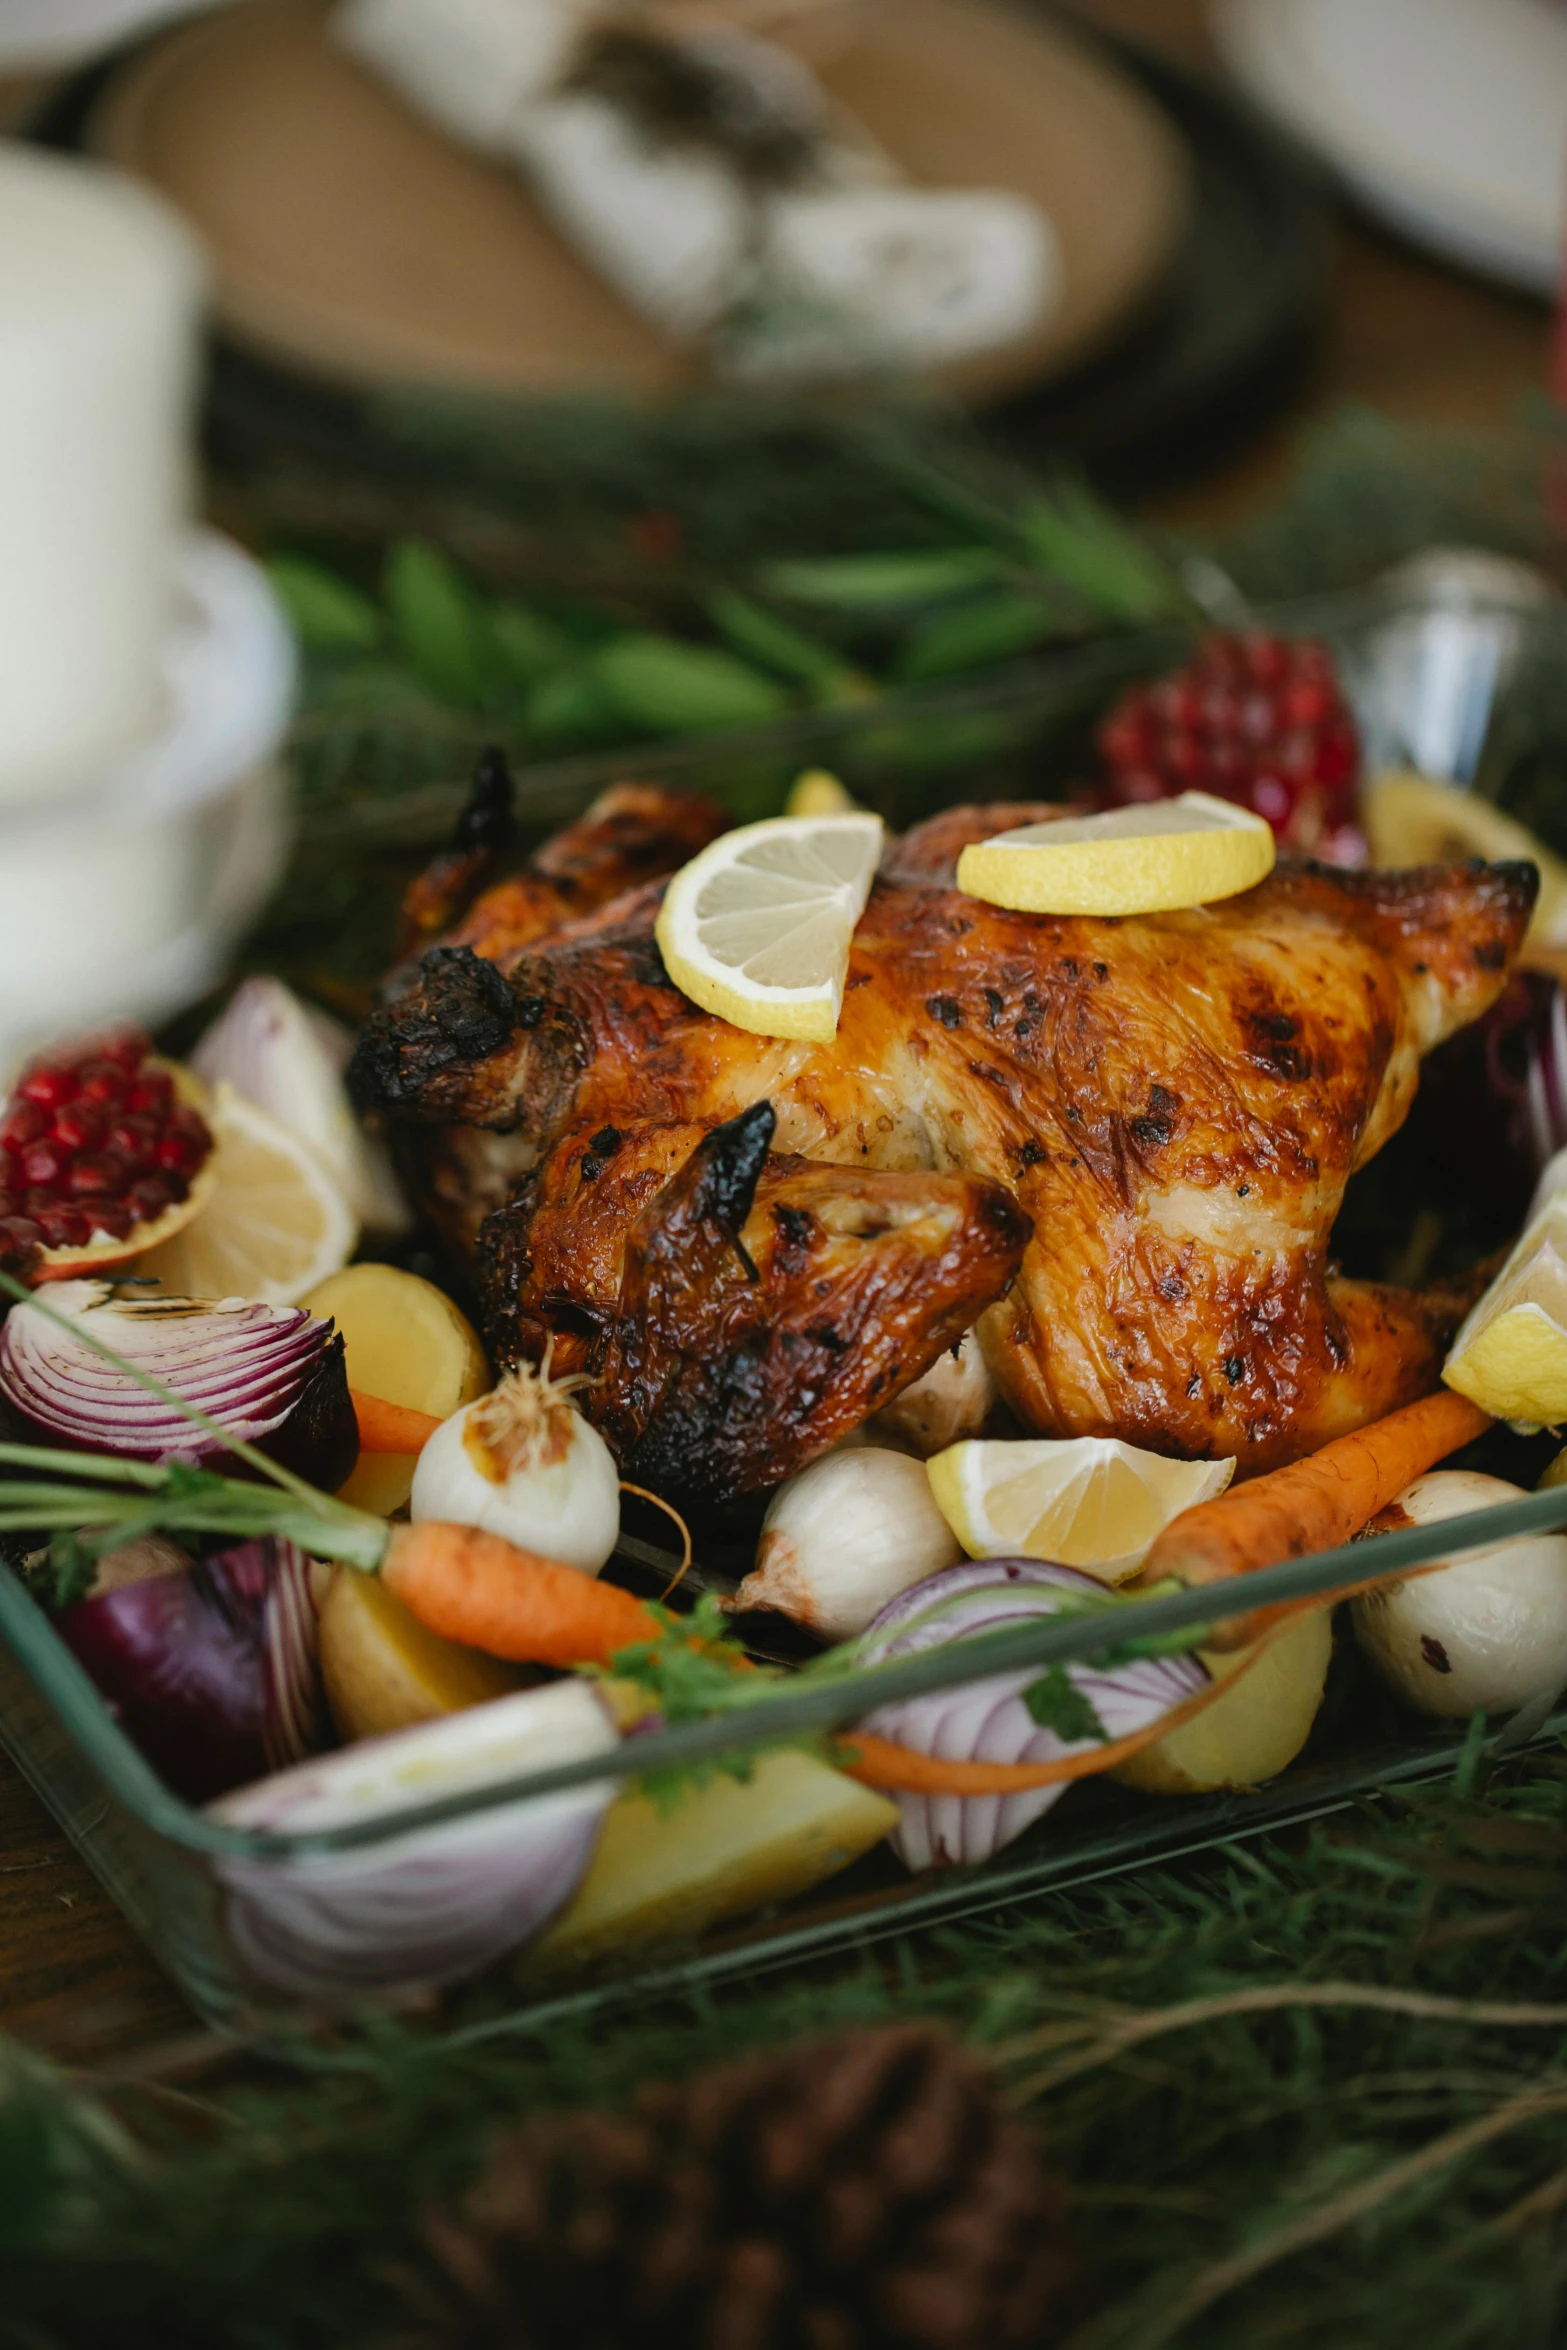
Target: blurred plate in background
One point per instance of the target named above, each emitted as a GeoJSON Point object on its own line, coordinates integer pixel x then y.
{"type": "Point", "coordinates": [1446, 117]}
{"type": "Point", "coordinates": [353, 242]}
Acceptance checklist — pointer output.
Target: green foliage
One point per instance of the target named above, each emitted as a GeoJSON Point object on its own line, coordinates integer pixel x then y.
{"type": "Point", "coordinates": [328, 615]}
{"type": "Point", "coordinates": [658, 685]}
{"type": "Point", "coordinates": [1309, 2090]}
{"type": "Point", "coordinates": [440, 624]}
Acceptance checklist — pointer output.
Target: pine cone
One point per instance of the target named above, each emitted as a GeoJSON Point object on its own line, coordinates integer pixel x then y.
{"type": "Point", "coordinates": [863, 2192]}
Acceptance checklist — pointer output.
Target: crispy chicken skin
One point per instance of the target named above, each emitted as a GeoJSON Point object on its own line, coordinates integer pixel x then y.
{"type": "Point", "coordinates": [739, 1309]}
{"type": "Point", "coordinates": [469, 926]}
{"type": "Point", "coordinates": [1172, 1103]}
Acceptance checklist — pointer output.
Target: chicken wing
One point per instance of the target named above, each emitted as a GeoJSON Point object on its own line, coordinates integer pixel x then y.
{"type": "Point", "coordinates": [738, 1310]}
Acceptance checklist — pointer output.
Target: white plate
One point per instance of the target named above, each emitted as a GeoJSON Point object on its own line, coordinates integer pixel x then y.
{"type": "Point", "coordinates": [1447, 117]}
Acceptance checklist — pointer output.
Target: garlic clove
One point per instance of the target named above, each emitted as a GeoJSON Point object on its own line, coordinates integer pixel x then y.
{"type": "Point", "coordinates": [845, 1536]}
{"type": "Point", "coordinates": [954, 1400]}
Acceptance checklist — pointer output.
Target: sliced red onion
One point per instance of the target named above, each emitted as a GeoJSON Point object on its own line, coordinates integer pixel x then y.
{"type": "Point", "coordinates": [211, 1672]}
{"type": "Point", "coordinates": [435, 1903]}
{"type": "Point", "coordinates": [988, 1721]}
{"type": "Point", "coordinates": [273, 1376]}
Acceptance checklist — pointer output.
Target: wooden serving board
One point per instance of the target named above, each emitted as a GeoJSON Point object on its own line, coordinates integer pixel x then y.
{"type": "Point", "coordinates": [351, 240]}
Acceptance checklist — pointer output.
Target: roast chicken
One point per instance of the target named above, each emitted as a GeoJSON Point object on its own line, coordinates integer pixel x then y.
{"type": "Point", "coordinates": [1115, 1148]}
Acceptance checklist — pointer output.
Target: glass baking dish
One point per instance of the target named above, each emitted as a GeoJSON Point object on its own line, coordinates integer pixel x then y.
{"type": "Point", "coordinates": [1467, 684]}
{"type": "Point", "coordinates": [196, 1886]}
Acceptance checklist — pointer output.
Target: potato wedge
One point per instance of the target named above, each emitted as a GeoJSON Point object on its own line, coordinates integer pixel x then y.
{"type": "Point", "coordinates": [384, 1671]}
{"type": "Point", "coordinates": [724, 1849]}
{"type": "Point", "coordinates": [1253, 1731]}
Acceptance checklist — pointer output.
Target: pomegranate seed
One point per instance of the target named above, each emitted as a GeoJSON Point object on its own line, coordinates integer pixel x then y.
{"type": "Point", "coordinates": [1126, 741]}
{"type": "Point", "coordinates": [63, 1227]}
{"type": "Point", "coordinates": [1271, 798]}
{"type": "Point", "coordinates": [190, 1122]}
{"type": "Point", "coordinates": [44, 1166]}
{"type": "Point", "coordinates": [133, 1140]}
{"type": "Point", "coordinates": [1309, 702]}
{"type": "Point", "coordinates": [179, 1154]}
{"type": "Point", "coordinates": [49, 1086]}
{"type": "Point", "coordinates": [24, 1122]}
{"type": "Point", "coordinates": [102, 1082]}
{"type": "Point", "coordinates": [21, 1231]}
{"type": "Point", "coordinates": [1182, 756]}
{"type": "Point", "coordinates": [97, 1178]}
{"type": "Point", "coordinates": [79, 1126]}
{"type": "Point", "coordinates": [151, 1093]}
{"type": "Point", "coordinates": [149, 1195]}
{"type": "Point", "coordinates": [112, 1216]}
{"type": "Point", "coordinates": [1337, 757]}
{"type": "Point", "coordinates": [1267, 658]}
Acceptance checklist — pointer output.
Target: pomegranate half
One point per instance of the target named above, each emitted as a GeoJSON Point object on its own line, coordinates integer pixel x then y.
{"type": "Point", "coordinates": [104, 1152]}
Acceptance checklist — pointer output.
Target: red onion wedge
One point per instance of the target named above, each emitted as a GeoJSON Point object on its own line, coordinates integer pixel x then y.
{"type": "Point", "coordinates": [435, 1903]}
{"type": "Point", "coordinates": [211, 1671]}
{"type": "Point", "coordinates": [989, 1720]}
{"type": "Point", "coordinates": [272, 1375]}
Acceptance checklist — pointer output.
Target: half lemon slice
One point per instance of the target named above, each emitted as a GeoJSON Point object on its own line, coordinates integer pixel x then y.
{"type": "Point", "coordinates": [1150, 859]}
{"type": "Point", "coordinates": [1089, 1502]}
{"type": "Point", "coordinates": [1510, 1356]}
{"type": "Point", "coordinates": [757, 928]}
{"type": "Point", "coordinates": [275, 1225]}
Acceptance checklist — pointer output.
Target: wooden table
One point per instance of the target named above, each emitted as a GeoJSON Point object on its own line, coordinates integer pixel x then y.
{"type": "Point", "coordinates": [1408, 336]}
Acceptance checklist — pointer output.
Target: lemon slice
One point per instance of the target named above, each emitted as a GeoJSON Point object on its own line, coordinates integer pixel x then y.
{"type": "Point", "coordinates": [1510, 1356]}
{"type": "Point", "coordinates": [1091, 1502]}
{"type": "Point", "coordinates": [1144, 860]}
{"type": "Point", "coordinates": [816, 793]}
{"type": "Point", "coordinates": [1410, 820]}
{"type": "Point", "coordinates": [757, 928]}
{"type": "Point", "coordinates": [276, 1223]}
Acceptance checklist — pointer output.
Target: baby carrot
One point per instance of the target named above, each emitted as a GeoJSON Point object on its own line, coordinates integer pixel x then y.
{"type": "Point", "coordinates": [485, 1592]}
{"type": "Point", "coordinates": [390, 1427]}
{"type": "Point", "coordinates": [1314, 1504]}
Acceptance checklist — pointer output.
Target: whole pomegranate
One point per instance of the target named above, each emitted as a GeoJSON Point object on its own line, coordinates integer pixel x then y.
{"type": "Point", "coordinates": [1254, 718]}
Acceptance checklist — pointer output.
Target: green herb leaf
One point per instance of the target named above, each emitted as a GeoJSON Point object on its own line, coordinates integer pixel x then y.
{"type": "Point", "coordinates": [73, 1564]}
{"type": "Point", "coordinates": [440, 624]}
{"type": "Point", "coordinates": [885, 582]}
{"type": "Point", "coordinates": [328, 615]}
{"type": "Point", "coordinates": [1056, 1703]}
{"type": "Point", "coordinates": [669, 687]}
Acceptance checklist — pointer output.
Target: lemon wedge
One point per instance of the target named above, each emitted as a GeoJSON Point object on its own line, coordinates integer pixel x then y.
{"type": "Point", "coordinates": [816, 793]}
{"type": "Point", "coordinates": [275, 1225]}
{"type": "Point", "coordinates": [1410, 820]}
{"type": "Point", "coordinates": [1510, 1355]}
{"type": "Point", "coordinates": [1145, 860]}
{"type": "Point", "coordinates": [1089, 1502]}
{"type": "Point", "coordinates": [757, 928]}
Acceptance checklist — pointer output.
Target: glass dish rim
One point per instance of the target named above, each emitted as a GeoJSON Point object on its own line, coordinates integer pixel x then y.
{"type": "Point", "coordinates": [1049, 1638]}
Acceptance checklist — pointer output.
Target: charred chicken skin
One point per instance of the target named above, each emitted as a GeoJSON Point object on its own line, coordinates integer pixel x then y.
{"type": "Point", "coordinates": [1118, 1146]}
